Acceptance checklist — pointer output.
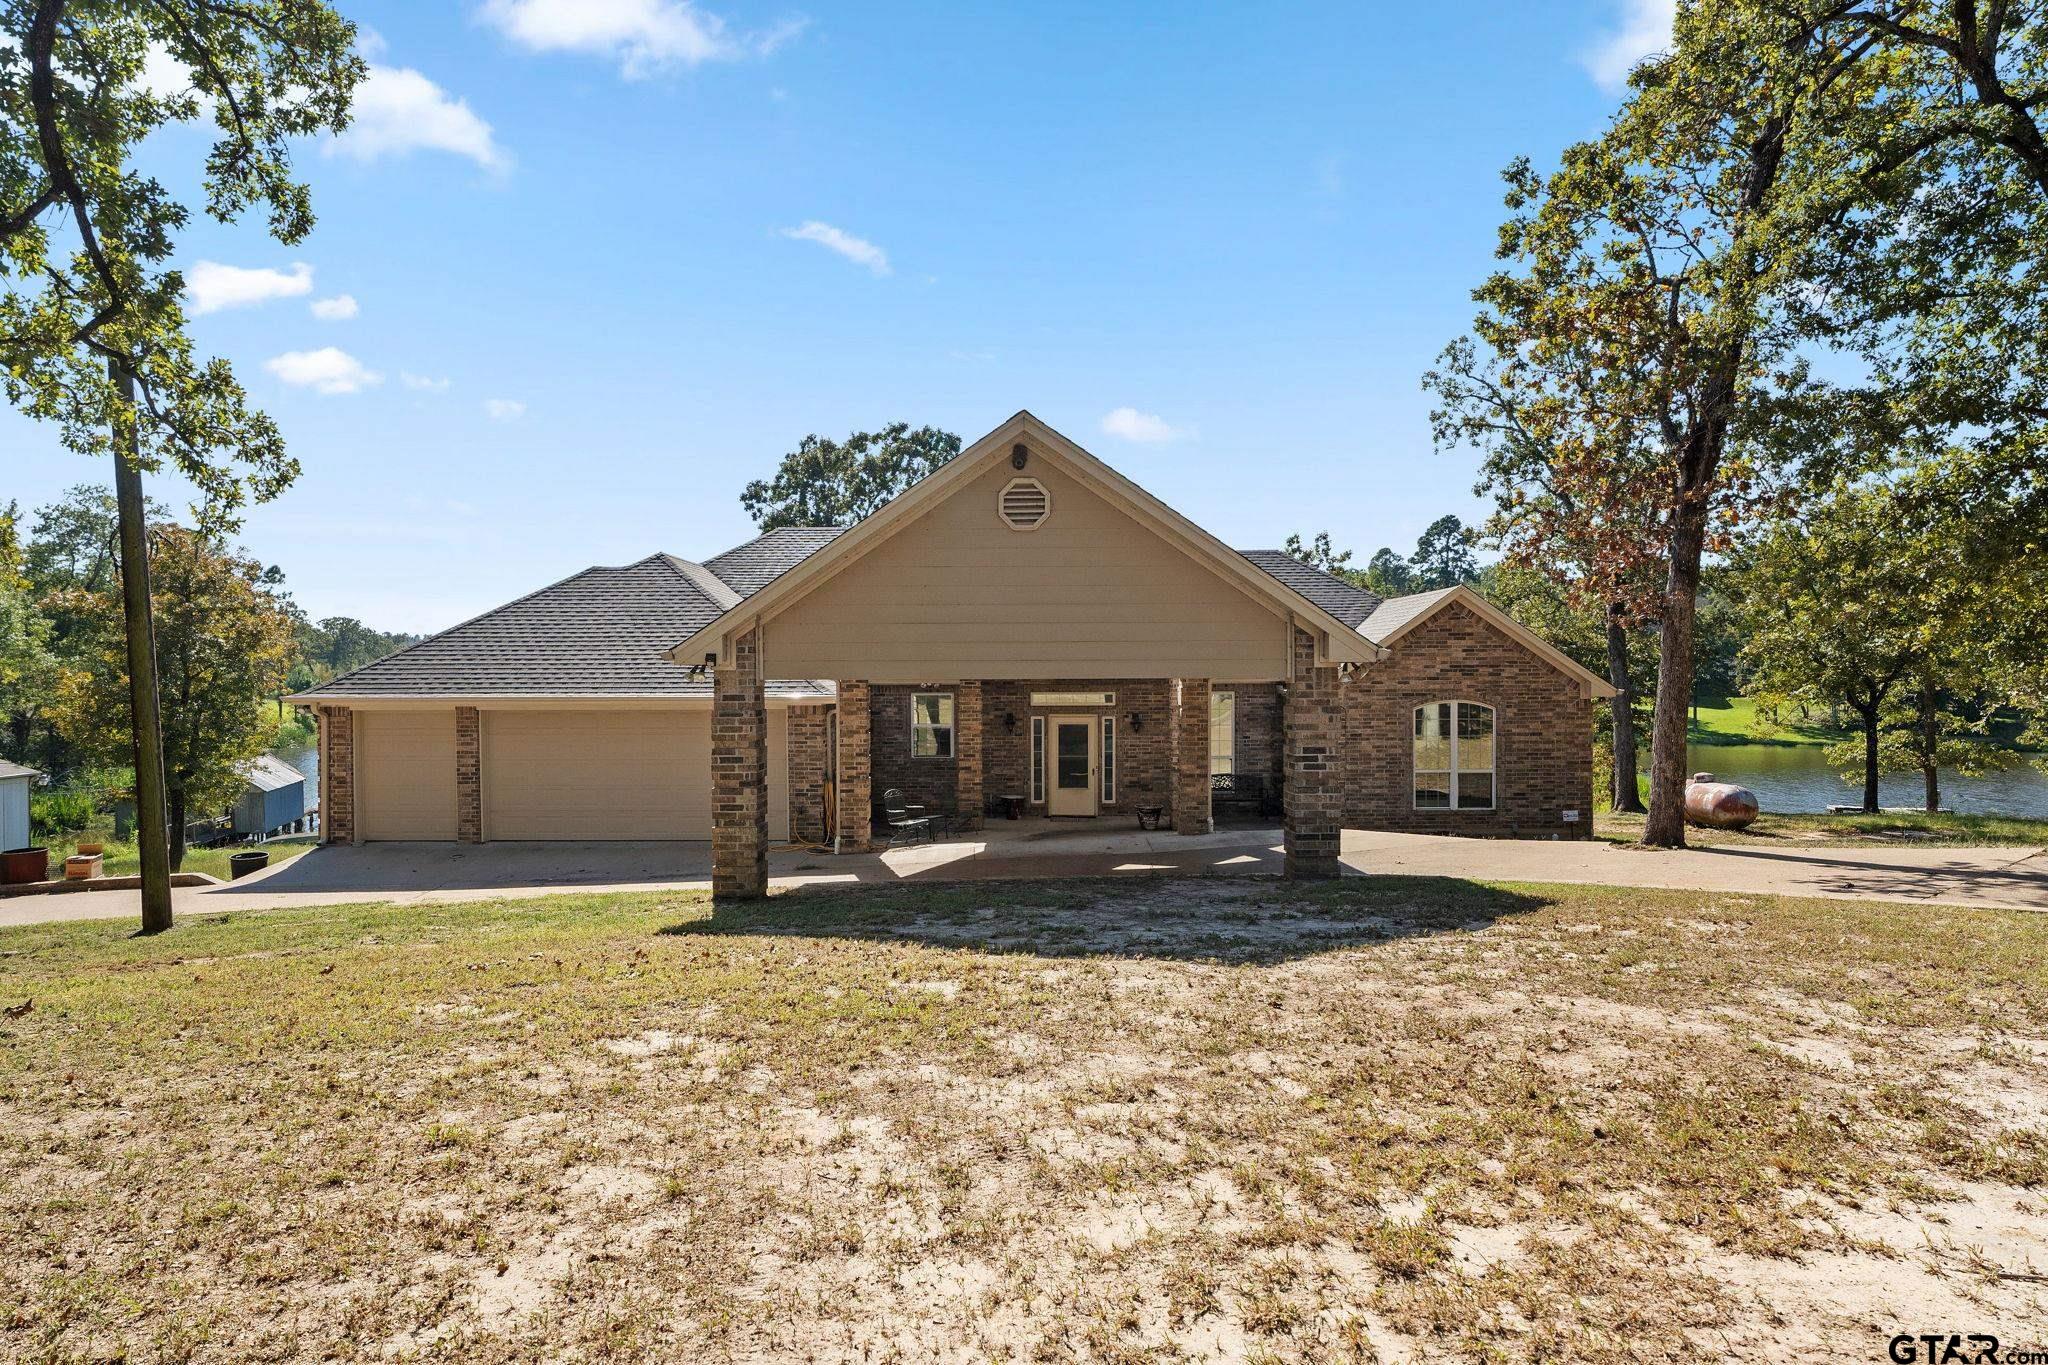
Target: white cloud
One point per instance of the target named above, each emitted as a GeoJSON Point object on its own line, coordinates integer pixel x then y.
{"type": "Point", "coordinates": [1645, 31]}
{"type": "Point", "coordinates": [397, 110]}
{"type": "Point", "coordinates": [856, 249]}
{"type": "Point", "coordinates": [423, 383]}
{"type": "Point", "coordinates": [340, 308]}
{"type": "Point", "coordinates": [504, 409]}
{"type": "Point", "coordinates": [644, 36]}
{"type": "Point", "coordinates": [328, 370]}
{"type": "Point", "coordinates": [1148, 427]}
{"type": "Point", "coordinates": [213, 287]}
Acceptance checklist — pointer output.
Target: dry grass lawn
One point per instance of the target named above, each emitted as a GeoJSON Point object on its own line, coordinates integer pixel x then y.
{"type": "Point", "coordinates": [1390, 1119]}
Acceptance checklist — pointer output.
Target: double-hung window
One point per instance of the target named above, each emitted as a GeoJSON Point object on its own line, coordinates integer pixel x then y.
{"type": "Point", "coordinates": [1453, 756]}
{"type": "Point", "coordinates": [931, 725]}
{"type": "Point", "coordinates": [1222, 733]}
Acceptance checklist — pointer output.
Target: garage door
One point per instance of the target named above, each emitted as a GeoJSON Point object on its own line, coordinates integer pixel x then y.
{"type": "Point", "coordinates": [405, 774]}
{"type": "Point", "coordinates": [610, 775]}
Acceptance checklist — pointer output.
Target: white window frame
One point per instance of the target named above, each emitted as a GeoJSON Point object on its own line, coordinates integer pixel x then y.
{"type": "Point", "coordinates": [1038, 760]}
{"type": "Point", "coordinates": [1492, 769]}
{"type": "Point", "coordinates": [1109, 760]}
{"type": "Point", "coordinates": [946, 705]}
{"type": "Point", "coordinates": [1216, 695]}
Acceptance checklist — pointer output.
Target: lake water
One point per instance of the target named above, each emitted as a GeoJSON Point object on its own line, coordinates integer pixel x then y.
{"type": "Point", "coordinates": [1792, 778]}
{"type": "Point", "coordinates": [307, 761]}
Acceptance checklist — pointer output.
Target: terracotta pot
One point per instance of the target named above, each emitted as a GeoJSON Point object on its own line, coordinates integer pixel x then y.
{"type": "Point", "coordinates": [90, 847]}
{"type": "Point", "coordinates": [19, 865]}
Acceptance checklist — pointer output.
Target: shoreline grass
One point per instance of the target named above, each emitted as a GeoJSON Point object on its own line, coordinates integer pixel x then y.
{"type": "Point", "coordinates": [1850, 831]}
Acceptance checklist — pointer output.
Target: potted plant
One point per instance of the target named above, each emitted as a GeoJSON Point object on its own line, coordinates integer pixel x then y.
{"type": "Point", "coordinates": [18, 865]}
{"type": "Point", "coordinates": [249, 860]}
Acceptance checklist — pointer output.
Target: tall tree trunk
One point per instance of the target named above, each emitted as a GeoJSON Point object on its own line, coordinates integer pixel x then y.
{"type": "Point", "coordinates": [1665, 827]}
{"type": "Point", "coordinates": [144, 718]}
{"type": "Point", "coordinates": [1626, 797]}
{"type": "Point", "coordinates": [177, 829]}
{"type": "Point", "coordinates": [1869, 715]}
{"type": "Point", "coordinates": [1930, 745]}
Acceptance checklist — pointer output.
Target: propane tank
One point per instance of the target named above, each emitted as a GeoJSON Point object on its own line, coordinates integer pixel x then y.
{"type": "Point", "coordinates": [1718, 805]}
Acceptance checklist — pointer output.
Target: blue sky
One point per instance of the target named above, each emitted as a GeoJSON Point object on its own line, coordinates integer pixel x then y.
{"type": "Point", "coordinates": [609, 259]}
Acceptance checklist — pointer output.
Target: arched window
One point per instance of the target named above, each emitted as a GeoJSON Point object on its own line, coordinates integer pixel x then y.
{"type": "Point", "coordinates": [1453, 756]}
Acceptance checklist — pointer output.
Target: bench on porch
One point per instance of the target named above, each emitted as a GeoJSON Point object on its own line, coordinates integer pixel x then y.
{"type": "Point", "coordinates": [1241, 794]}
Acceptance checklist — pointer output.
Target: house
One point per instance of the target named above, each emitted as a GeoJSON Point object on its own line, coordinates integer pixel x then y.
{"type": "Point", "coordinates": [15, 782]}
{"type": "Point", "coordinates": [273, 797]}
{"type": "Point", "coordinates": [1024, 623]}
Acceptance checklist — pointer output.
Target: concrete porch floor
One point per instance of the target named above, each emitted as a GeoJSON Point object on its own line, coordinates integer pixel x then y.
{"type": "Point", "coordinates": [404, 873]}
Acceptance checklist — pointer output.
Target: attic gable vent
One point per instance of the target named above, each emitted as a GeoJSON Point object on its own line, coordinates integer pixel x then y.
{"type": "Point", "coordinates": [1024, 504]}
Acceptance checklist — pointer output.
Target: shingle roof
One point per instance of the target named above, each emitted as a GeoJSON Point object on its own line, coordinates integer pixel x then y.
{"type": "Point", "coordinates": [1345, 601]}
{"type": "Point", "coordinates": [16, 770]}
{"type": "Point", "coordinates": [753, 566]}
{"type": "Point", "coordinates": [594, 634]}
{"type": "Point", "coordinates": [1396, 612]}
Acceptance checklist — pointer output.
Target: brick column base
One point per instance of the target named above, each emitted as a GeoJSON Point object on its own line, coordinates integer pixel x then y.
{"type": "Point", "coordinates": [1315, 791]}
{"type": "Point", "coordinates": [337, 775]}
{"type": "Point", "coordinates": [856, 768]}
{"type": "Point", "coordinates": [1193, 812]}
{"type": "Point", "coordinates": [967, 800]}
{"type": "Point", "coordinates": [739, 775]}
{"type": "Point", "coordinates": [469, 795]}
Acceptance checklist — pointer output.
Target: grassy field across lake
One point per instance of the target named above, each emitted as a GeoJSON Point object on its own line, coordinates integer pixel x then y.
{"type": "Point", "coordinates": [1144, 1120]}
{"type": "Point", "coordinates": [1851, 831]}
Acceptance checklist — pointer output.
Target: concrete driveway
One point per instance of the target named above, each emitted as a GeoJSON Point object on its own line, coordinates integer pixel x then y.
{"type": "Point", "coordinates": [2015, 878]}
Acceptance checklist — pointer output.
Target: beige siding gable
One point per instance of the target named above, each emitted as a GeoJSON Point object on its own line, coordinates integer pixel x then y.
{"type": "Point", "coordinates": [1091, 592]}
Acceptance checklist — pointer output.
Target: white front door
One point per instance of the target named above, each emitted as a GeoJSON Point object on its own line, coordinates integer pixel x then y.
{"type": "Point", "coordinates": [1072, 763]}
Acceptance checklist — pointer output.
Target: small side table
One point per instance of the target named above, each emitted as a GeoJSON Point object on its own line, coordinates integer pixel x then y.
{"type": "Point", "coordinates": [1013, 807]}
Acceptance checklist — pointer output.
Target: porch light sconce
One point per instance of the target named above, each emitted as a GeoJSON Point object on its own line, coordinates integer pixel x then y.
{"type": "Point", "coordinates": [1137, 723]}
{"type": "Point", "coordinates": [1020, 455]}
{"type": "Point", "coordinates": [1009, 722]}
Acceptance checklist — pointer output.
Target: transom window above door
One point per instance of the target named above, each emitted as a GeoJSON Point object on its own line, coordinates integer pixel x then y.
{"type": "Point", "coordinates": [931, 725]}
{"type": "Point", "coordinates": [1453, 756]}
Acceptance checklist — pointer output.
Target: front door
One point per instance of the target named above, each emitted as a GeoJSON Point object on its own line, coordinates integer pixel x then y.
{"type": "Point", "coordinates": [1074, 762]}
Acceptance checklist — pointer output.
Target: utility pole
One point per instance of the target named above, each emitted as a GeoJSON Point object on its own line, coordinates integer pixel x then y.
{"type": "Point", "coordinates": [151, 834]}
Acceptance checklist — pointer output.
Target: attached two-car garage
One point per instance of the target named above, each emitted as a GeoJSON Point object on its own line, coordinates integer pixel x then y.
{"type": "Point", "coordinates": [545, 773]}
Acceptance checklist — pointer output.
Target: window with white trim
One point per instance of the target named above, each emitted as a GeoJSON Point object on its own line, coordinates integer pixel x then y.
{"type": "Point", "coordinates": [931, 725]}
{"type": "Point", "coordinates": [1038, 760]}
{"type": "Point", "coordinates": [1453, 756]}
{"type": "Point", "coordinates": [1222, 732]}
{"type": "Point", "coordinates": [1109, 760]}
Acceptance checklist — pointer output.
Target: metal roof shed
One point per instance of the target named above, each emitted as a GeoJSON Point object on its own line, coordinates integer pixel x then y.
{"type": "Point", "coordinates": [15, 781]}
{"type": "Point", "coordinates": [274, 798]}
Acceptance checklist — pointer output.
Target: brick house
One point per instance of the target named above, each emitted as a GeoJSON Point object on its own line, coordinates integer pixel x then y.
{"type": "Point", "coordinates": [1023, 625]}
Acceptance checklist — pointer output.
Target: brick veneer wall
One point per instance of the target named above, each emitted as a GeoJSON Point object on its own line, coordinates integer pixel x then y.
{"type": "Point", "coordinates": [1543, 732]}
{"type": "Point", "coordinates": [469, 796]}
{"type": "Point", "coordinates": [807, 773]}
{"type": "Point", "coordinates": [739, 774]}
{"type": "Point", "coordinates": [856, 766]}
{"type": "Point", "coordinates": [337, 774]}
{"type": "Point", "coordinates": [1144, 755]}
{"type": "Point", "coordinates": [928, 782]}
{"type": "Point", "coordinates": [967, 737]}
{"type": "Point", "coordinates": [1258, 738]}
{"type": "Point", "coordinates": [1315, 787]}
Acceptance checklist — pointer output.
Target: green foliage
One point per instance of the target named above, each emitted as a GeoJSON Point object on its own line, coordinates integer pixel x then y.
{"type": "Point", "coordinates": [86, 240]}
{"type": "Point", "coordinates": [824, 482]}
{"type": "Point", "coordinates": [1443, 558]}
{"type": "Point", "coordinates": [339, 644]}
{"type": "Point", "coordinates": [1443, 555]}
{"type": "Point", "coordinates": [1321, 554]}
{"type": "Point", "coordinates": [62, 810]}
{"type": "Point", "coordinates": [224, 642]}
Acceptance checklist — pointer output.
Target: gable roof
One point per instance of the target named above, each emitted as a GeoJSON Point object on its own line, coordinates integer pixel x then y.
{"type": "Point", "coordinates": [1343, 642]}
{"type": "Point", "coordinates": [599, 633]}
{"type": "Point", "coordinates": [1347, 602]}
{"type": "Point", "coordinates": [16, 770]}
{"type": "Point", "coordinates": [269, 773]}
{"type": "Point", "coordinates": [753, 566]}
{"type": "Point", "coordinates": [1397, 616]}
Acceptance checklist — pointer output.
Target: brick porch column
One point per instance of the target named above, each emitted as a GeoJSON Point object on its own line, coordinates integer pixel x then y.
{"type": "Point", "coordinates": [967, 800]}
{"type": "Point", "coordinates": [739, 774]}
{"type": "Point", "coordinates": [1314, 729]}
{"type": "Point", "coordinates": [469, 795]}
{"type": "Point", "coordinates": [856, 770]}
{"type": "Point", "coordinates": [807, 774]}
{"type": "Point", "coordinates": [337, 775]}
{"type": "Point", "coordinates": [1192, 813]}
